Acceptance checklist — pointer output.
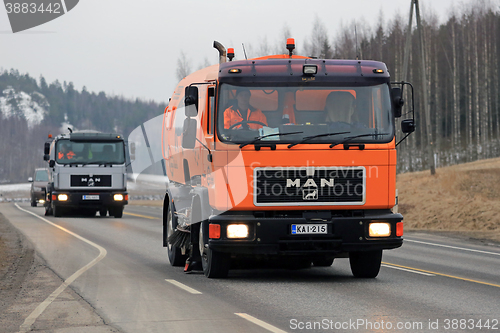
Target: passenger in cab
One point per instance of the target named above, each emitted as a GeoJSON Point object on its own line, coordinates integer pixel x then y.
{"type": "Point", "coordinates": [339, 107]}
{"type": "Point", "coordinates": [242, 111]}
{"type": "Point", "coordinates": [340, 111]}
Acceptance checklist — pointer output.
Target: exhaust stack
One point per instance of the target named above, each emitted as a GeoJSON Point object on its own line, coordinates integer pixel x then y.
{"type": "Point", "coordinates": [222, 52]}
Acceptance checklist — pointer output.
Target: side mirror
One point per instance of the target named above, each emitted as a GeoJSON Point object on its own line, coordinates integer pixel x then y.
{"type": "Point", "coordinates": [46, 157]}
{"type": "Point", "coordinates": [30, 179]}
{"type": "Point", "coordinates": [408, 126]}
{"type": "Point", "coordinates": [191, 101]}
{"type": "Point", "coordinates": [46, 148]}
{"type": "Point", "coordinates": [397, 101]}
{"type": "Point", "coordinates": [52, 163]}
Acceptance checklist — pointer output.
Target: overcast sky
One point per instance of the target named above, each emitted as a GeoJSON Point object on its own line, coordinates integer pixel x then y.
{"type": "Point", "coordinates": [130, 48]}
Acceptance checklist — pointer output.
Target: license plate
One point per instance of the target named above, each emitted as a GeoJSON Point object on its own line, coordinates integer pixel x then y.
{"type": "Point", "coordinates": [309, 229]}
{"type": "Point", "coordinates": [91, 197]}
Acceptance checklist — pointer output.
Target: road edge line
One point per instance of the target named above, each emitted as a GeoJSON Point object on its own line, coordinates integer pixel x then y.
{"type": "Point", "coordinates": [26, 326]}
{"type": "Point", "coordinates": [445, 275]}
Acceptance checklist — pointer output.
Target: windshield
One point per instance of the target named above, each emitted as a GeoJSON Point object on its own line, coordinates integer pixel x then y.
{"type": "Point", "coordinates": [325, 114]}
{"type": "Point", "coordinates": [68, 152]}
{"type": "Point", "coordinates": [41, 176]}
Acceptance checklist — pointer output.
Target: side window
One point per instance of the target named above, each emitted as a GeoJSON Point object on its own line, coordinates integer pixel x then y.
{"type": "Point", "coordinates": [211, 109]}
{"type": "Point", "coordinates": [179, 116]}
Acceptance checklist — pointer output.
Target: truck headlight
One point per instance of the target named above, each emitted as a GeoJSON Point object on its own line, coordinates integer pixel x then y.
{"type": "Point", "coordinates": [118, 197]}
{"type": "Point", "coordinates": [62, 197]}
{"type": "Point", "coordinates": [379, 229]}
{"type": "Point", "coordinates": [237, 231]}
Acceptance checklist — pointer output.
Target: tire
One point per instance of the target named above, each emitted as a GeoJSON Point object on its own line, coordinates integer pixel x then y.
{"type": "Point", "coordinates": [103, 212]}
{"type": "Point", "coordinates": [174, 253]}
{"type": "Point", "coordinates": [215, 264]}
{"type": "Point", "coordinates": [365, 264]}
{"type": "Point", "coordinates": [57, 211]}
{"type": "Point", "coordinates": [33, 202]}
{"type": "Point", "coordinates": [48, 211]}
{"type": "Point", "coordinates": [323, 262]}
{"type": "Point", "coordinates": [117, 212]}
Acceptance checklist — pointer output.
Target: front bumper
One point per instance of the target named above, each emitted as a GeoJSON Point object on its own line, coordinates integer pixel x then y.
{"type": "Point", "coordinates": [86, 199]}
{"type": "Point", "coordinates": [273, 236]}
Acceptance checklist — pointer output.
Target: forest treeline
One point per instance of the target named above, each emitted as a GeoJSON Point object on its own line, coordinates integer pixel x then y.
{"type": "Point", "coordinates": [462, 62]}
{"type": "Point", "coordinates": [21, 142]}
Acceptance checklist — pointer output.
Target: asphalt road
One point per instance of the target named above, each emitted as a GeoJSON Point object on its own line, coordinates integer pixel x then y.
{"type": "Point", "coordinates": [431, 284]}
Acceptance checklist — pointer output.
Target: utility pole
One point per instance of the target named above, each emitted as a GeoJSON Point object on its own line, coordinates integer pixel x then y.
{"type": "Point", "coordinates": [425, 86]}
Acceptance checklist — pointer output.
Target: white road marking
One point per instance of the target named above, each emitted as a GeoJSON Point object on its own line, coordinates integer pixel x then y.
{"type": "Point", "coordinates": [260, 323]}
{"type": "Point", "coordinates": [183, 286]}
{"type": "Point", "coordinates": [26, 326]}
{"type": "Point", "coordinates": [452, 247]}
{"type": "Point", "coordinates": [408, 270]}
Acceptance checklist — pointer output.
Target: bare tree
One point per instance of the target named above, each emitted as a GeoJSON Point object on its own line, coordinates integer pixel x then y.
{"type": "Point", "coordinates": [319, 46]}
{"type": "Point", "coordinates": [183, 66]}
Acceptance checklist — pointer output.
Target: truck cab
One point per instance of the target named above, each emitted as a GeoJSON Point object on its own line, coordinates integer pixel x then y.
{"type": "Point", "coordinates": [87, 174]}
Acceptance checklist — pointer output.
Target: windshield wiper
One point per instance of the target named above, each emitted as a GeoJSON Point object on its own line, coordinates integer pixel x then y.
{"type": "Point", "coordinates": [74, 163]}
{"type": "Point", "coordinates": [355, 137]}
{"type": "Point", "coordinates": [100, 162]}
{"type": "Point", "coordinates": [265, 136]}
{"type": "Point", "coordinates": [307, 138]}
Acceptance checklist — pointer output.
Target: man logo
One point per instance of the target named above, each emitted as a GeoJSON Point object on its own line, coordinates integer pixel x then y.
{"type": "Point", "coordinates": [310, 194]}
{"type": "Point", "coordinates": [310, 188]}
{"type": "Point", "coordinates": [24, 15]}
{"type": "Point", "coordinates": [310, 183]}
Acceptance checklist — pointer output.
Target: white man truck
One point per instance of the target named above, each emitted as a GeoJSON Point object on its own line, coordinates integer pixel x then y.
{"type": "Point", "coordinates": [88, 174]}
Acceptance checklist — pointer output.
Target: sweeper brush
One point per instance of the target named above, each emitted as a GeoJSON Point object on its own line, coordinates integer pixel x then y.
{"type": "Point", "coordinates": [180, 237]}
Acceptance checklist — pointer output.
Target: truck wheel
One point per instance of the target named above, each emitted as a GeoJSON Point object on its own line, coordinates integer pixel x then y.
{"type": "Point", "coordinates": [103, 212]}
{"type": "Point", "coordinates": [323, 262]}
{"type": "Point", "coordinates": [33, 202]}
{"type": "Point", "coordinates": [48, 210]}
{"type": "Point", "coordinates": [117, 212]}
{"type": "Point", "coordinates": [365, 264]}
{"type": "Point", "coordinates": [215, 264]}
{"type": "Point", "coordinates": [57, 211]}
{"type": "Point", "coordinates": [174, 253]}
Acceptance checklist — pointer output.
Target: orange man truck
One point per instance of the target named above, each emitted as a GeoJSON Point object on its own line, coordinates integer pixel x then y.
{"type": "Point", "coordinates": [283, 157]}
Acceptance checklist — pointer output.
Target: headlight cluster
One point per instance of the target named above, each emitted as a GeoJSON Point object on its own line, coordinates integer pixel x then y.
{"type": "Point", "coordinates": [62, 197]}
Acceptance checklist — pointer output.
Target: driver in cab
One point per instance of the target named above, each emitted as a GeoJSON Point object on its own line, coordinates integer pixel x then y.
{"type": "Point", "coordinates": [66, 153]}
{"type": "Point", "coordinates": [242, 112]}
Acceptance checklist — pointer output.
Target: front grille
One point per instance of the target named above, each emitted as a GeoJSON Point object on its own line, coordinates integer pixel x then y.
{"type": "Point", "coordinates": [91, 181]}
{"type": "Point", "coordinates": [309, 186]}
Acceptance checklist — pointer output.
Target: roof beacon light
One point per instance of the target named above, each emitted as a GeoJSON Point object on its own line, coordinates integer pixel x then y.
{"type": "Point", "coordinates": [290, 45]}
{"type": "Point", "coordinates": [230, 53]}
